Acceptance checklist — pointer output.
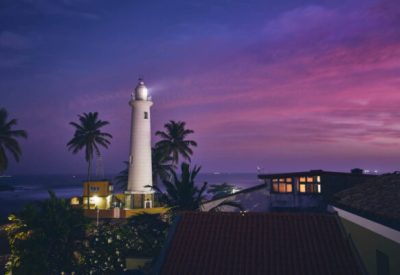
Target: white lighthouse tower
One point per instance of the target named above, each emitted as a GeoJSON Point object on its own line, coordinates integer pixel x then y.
{"type": "Point", "coordinates": [137, 194]}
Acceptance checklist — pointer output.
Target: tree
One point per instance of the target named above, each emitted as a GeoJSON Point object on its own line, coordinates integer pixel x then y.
{"type": "Point", "coordinates": [8, 140]}
{"type": "Point", "coordinates": [110, 243]}
{"type": "Point", "coordinates": [162, 165]}
{"type": "Point", "coordinates": [181, 193]}
{"type": "Point", "coordinates": [105, 249]}
{"type": "Point", "coordinates": [173, 141]}
{"type": "Point", "coordinates": [88, 136]}
{"type": "Point", "coordinates": [122, 178]}
{"type": "Point", "coordinates": [46, 237]}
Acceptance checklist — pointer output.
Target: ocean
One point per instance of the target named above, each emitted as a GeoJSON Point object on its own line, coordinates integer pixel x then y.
{"type": "Point", "coordinates": [30, 188]}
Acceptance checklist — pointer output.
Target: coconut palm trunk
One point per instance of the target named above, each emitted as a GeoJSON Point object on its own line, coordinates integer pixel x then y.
{"type": "Point", "coordinates": [88, 136]}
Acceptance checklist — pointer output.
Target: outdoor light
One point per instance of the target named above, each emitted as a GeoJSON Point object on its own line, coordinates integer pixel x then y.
{"type": "Point", "coordinates": [96, 200]}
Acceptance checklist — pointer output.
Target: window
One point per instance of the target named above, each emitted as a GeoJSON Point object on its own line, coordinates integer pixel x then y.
{"type": "Point", "coordinates": [382, 263]}
{"type": "Point", "coordinates": [310, 184]}
{"type": "Point", "coordinates": [146, 115]}
{"type": "Point", "coordinates": [94, 189]}
{"type": "Point", "coordinates": [282, 185]}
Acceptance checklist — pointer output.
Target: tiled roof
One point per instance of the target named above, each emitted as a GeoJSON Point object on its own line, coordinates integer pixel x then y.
{"type": "Point", "coordinates": [258, 243]}
{"type": "Point", "coordinates": [377, 199]}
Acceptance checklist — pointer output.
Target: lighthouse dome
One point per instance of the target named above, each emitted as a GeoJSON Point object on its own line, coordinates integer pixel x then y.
{"type": "Point", "coordinates": [141, 92]}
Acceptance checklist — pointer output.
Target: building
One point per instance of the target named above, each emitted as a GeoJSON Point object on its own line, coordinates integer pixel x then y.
{"type": "Point", "coordinates": [139, 193]}
{"type": "Point", "coordinates": [296, 190]}
{"type": "Point", "coordinates": [99, 194]}
{"type": "Point", "coordinates": [139, 196]}
{"type": "Point", "coordinates": [370, 213]}
{"type": "Point", "coordinates": [258, 243]}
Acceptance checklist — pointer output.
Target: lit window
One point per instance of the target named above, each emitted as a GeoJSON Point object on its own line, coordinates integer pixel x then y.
{"type": "Point", "coordinates": [302, 179]}
{"type": "Point", "coordinates": [282, 185]}
{"type": "Point", "coordinates": [318, 178]}
{"type": "Point", "coordinates": [310, 179]}
{"type": "Point", "coordinates": [302, 188]}
{"type": "Point", "coordinates": [319, 188]}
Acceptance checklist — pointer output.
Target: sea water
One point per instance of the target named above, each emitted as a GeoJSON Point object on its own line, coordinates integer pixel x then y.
{"type": "Point", "coordinates": [30, 188]}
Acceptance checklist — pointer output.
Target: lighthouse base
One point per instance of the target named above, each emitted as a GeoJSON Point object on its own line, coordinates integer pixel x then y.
{"type": "Point", "coordinates": [136, 200]}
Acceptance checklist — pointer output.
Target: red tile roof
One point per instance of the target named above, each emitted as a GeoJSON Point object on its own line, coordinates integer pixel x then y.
{"type": "Point", "coordinates": [377, 199]}
{"type": "Point", "coordinates": [259, 243]}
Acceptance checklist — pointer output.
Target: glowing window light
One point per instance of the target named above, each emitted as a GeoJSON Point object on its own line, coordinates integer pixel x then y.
{"type": "Point", "coordinates": [302, 188]}
{"type": "Point", "coordinates": [96, 200]}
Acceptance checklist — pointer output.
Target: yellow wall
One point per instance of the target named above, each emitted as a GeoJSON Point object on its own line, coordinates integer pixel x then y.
{"type": "Point", "coordinates": [103, 188]}
{"type": "Point", "coordinates": [96, 201]}
{"type": "Point", "coordinates": [367, 242]}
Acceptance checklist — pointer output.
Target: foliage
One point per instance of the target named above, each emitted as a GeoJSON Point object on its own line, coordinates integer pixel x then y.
{"type": "Point", "coordinates": [44, 238]}
{"type": "Point", "coordinates": [162, 165]}
{"type": "Point", "coordinates": [105, 250]}
{"type": "Point", "coordinates": [220, 190]}
{"type": "Point", "coordinates": [88, 136]}
{"type": "Point", "coordinates": [181, 192]}
{"type": "Point", "coordinates": [109, 244]}
{"type": "Point", "coordinates": [149, 231]}
{"type": "Point", "coordinates": [8, 140]}
{"type": "Point", "coordinates": [122, 178]}
{"type": "Point", "coordinates": [173, 141]}
{"type": "Point", "coordinates": [51, 237]}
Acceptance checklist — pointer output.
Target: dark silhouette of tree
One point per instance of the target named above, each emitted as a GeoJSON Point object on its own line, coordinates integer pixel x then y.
{"type": "Point", "coordinates": [162, 165]}
{"type": "Point", "coordinates": [8, 140]}
{"type": "Point", "coordinates": [45, 238]}
{"type": "Point", "coordinates": [181, 193]}
{"type": "Point", "coordinates": [122, 178]}
{"type": "Point", "coordinates": [173, 141]}
{"type": "Point", "coordinates": [88, 136]}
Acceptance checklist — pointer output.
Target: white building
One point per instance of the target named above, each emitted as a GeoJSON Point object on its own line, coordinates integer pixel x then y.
{"type": "Point", "coordinates": [138, 193]}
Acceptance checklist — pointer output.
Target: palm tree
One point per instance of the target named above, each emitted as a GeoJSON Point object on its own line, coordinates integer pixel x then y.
{"type": "Point", "coordinates": [8, 140]}
{"type": "Point", "coordinates": [122, 178]}
{"type": "Point", "coordinates": [181, 192]}
{"type": "Point", "coordinates": [173, 141]}
{"type": "Point", "coordinates": [88, 136]}
{"type": "Point", "coordinates": [162, 165]}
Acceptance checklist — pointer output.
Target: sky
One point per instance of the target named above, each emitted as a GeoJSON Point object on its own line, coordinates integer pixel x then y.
{"type": "Point", "coordinates": [284, 85]}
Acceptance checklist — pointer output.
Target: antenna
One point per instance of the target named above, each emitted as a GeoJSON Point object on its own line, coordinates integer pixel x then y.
{"type": "Point", "coordinates": [99, 167]}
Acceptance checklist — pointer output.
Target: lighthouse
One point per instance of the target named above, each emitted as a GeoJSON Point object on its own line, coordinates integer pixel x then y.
{"type": "Point", "coordinates": [138, 193]}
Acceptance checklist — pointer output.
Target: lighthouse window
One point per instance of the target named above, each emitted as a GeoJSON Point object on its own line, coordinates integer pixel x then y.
{"type": "Point", "coordinates": [146, 115]}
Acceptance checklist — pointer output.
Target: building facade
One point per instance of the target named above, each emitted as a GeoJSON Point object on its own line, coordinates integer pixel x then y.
{"type": "Point", "coordinates": [289, 191]}
{"type": "Point", "coordinates": [139, 193]}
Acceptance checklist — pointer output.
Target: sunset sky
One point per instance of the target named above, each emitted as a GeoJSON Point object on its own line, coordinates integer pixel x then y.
{"type": "Point", "coordinates": [285, 85]}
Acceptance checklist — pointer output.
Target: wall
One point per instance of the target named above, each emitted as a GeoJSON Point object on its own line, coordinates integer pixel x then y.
{"type": "Point", "coordinates": [367, 242]}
